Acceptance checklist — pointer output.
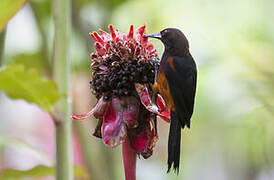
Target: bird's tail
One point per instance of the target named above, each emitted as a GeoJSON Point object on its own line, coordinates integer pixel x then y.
{"type": "Point", "coordinates": [174, 142]}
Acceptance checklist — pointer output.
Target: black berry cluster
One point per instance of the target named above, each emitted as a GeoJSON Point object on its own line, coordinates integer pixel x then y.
{"type": "Point", "coordinates": [116, 77]}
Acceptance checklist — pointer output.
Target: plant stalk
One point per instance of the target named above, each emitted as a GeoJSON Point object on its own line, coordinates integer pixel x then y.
{"type": "Point", "coordinates": [61, 74]}
{"type": "Point", "coordinates": [129, 159]}
{"type": "Point", "coordinates": [2, 46]}
{"type": "Point", "coordinates": [44, 47]}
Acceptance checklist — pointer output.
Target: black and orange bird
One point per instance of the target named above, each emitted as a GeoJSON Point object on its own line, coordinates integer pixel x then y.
{"type": "Point", "coordinates": [176, 82]}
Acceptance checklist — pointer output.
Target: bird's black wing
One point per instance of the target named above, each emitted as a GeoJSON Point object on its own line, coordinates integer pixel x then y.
{"type": "Point", "coordinates": [181, 74]}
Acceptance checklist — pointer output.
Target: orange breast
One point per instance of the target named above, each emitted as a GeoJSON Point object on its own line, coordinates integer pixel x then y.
{"type": "Point", "coordinates": [162, 87]}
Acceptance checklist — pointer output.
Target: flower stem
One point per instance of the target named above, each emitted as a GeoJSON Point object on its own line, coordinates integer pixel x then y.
{"type": "Point", "coordinates": [2, 46]}
{"type": "Point", "coordinates": [61, 74]}
{"type": "Point", "coordinates": [35, 7]}
{"type": "Point", "coordinates": [129, 159]}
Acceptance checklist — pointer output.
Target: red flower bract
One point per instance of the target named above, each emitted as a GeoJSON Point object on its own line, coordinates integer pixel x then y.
{"type": "Point", "coordinates": [122, 78]}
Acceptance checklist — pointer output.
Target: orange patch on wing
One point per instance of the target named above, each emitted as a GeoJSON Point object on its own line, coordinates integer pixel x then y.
{"type": "Point", "coordinates": [155, 87]}
{"type": "Point", "coordinates": [163, 89]}
{"type": "Point", "coordinates": [170, 61]}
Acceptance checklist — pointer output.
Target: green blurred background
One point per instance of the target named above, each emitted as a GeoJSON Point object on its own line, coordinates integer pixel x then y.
{"type": "Point", "coordinates": [231, 135]}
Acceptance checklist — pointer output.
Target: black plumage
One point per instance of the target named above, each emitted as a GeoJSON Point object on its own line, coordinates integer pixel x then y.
{"type": "Point", "coordinates": [182, 85]}
{"type": "Point", "coordinates": [176, 82]}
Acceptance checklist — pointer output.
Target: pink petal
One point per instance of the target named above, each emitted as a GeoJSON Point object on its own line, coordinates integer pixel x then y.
{"type": "Point", "coordinates": [130, 110]}
{"type": "Point", "coordinates": [99, 48]}
{"type": "Point", "coordinates": [98, 110]}
{"type": "Point", "coordinates": [121, 114]}
{"type": "Point", "coordinates": [101, 108]}
{"type": "Point", "coordinates": [103, 67]}
{"type": "Point", "coordinates": [105, 36]}
{"type": "Point", "coordinates": [82, 116]}
{"type": "Point", "coordinates": [114, 129]}
{"type": "Point", "coordinates": [124, 38]}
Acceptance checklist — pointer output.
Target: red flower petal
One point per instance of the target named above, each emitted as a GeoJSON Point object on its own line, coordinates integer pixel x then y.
{"type": "Point", "coordinates": [103, 46]}
{"type": "Point", "coordinates": [141, 30]}
{"type": "Point", "coordinates": [162, 108]}
{"type": "Point", "coordinates": [93, 37]}
{"type": "Point", "coordinates": [130, 110]}
{"type": "Point", "coordinates": [144, 141]}
{"type": "Point", "coordinates": [112, 32]}
{"type": "Point", "coordinates": [105, 36]}
{"type": "Point", "coordinates": [140, 142]}
{"type": "Point", "coordinates": [145, 40]}
{"type": "Point", "coordinates": [98, 38]}
{"type": "Point", "coordinates": [147, 102]}
{"type": "Point", "coordinates": [137, 51]}
{"type": "Point", "coordinates": [114, 129]}
{"type": "Point", "coordinates": [130, 34]}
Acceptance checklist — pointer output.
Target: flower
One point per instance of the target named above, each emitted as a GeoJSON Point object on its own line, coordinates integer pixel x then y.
{"type": "Point", "coordinates": [123, 74]}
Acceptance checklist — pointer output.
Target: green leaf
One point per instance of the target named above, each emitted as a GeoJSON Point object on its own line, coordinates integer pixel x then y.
{"type": "Point", "coordinates": [18, 83]}
{"type": "Point", "coordinates": [30, 61]}
{"type": "Point", "coordinates": [38, 171]}
{"type": "Point", "coordinates": [8, 9]}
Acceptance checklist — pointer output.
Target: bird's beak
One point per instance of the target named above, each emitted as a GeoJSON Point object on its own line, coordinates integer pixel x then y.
{"type": "Point", "coordinates": [157, 36]}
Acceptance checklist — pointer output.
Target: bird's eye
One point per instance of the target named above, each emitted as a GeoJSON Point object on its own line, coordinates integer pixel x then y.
{"type": "Point", "coordinates": [165, 32]}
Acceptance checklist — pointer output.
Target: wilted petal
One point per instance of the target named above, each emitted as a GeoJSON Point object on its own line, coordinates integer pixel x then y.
{"type": "Point", "coordinates": [130, 106]}
{"type": "Point", "coordinates": [139, 142]}
{"type": "Point", "coordinates": [99, 48]}
{"type": "Point", "coordinates": [162, 108]}
{"type": "Point", "coordinates": [144, 141]}
{"type": "Point", "coordinates": [147, 102]}
{"type": "Point", "coordinates": [97, 131]}
{"type": "Point", "coordinates": [114, 128]}
{"type": "Point", "coordinates": [98, 110]}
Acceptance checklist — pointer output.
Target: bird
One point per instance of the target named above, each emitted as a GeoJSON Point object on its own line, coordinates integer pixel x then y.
{"type": "Point", "coordinates": [176, 83]}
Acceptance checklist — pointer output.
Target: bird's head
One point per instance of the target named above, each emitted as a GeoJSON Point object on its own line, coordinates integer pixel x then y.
{"type": "Point", "coordinates": [174, 40]}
